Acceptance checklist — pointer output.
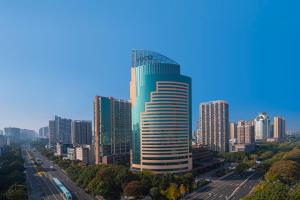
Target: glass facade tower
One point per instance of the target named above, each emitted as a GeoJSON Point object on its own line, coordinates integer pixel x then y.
{"type": "Point", "coordinates": [161, 114]}
{"type": "Point", "coordinates": [112, 130]}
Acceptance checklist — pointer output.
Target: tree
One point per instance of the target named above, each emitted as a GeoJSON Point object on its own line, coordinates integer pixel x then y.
{"type": "Point", "coordinates": [155, 194]}
{"type": "Point", "coordinates": [172, 193]}
{"type": "Point", "coordinates": [293, 155]}
{"type": "Point", "coordinates": [16, 192]}
{"type": "Point", "coordinates": [286, 171]}
{"type": "Point", "coordinates": [272, 191]}
{"type": "Point", "coordinates": [295, 192]}
{"type": "Point", "coordinates": [182, 189]}
{"type": "Point", "coordinates": [241, 167]}
{"type": "Point", "coordinates": [133, 189]}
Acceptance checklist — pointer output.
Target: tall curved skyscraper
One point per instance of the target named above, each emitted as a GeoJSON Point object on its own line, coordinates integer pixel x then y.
{"type": "Point", "coordinates": [161, 114]}
{"type": "Point", "coordinates": [262, 126]}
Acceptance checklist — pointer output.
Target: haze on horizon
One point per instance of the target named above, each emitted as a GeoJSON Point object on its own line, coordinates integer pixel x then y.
{"type": "Point", "coordinates": [56, 56]}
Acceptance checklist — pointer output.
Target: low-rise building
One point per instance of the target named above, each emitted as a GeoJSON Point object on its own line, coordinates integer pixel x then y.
{"type": "Point", "coordinates": [71, 153]}
{"type": "Point", "coordinates": [203, 159]}
{"type": "Point", "coordinates": [242, 147]}
{"type": "Point", "coordinates": [85, 154]}
{"type": "Point", "coordinates": [62, 149]}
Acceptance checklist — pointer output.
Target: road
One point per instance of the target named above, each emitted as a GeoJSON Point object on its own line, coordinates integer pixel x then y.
{"type": "Point", "coordinates": [49, 173]}
{"type": "Point", "coordinates": [39, 186]}
{"type": "Point", "coordinates": [233, 186]}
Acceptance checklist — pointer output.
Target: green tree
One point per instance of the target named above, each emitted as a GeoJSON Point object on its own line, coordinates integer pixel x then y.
{"type": "Point", "coordinates": [240, 168]}
{"type": "Point", "coordinates": [172, 193]}
{"type": "Point", "coordinates": [16, 192]}
{"type": "Point", "coordinates": [286, 171]}
{"type": "Point", "coordinates": [133, 189]}
{"type": "Point", "coordinates": [155, 194]}
{"type": "Point", "coordinates": [272, 191]}
{"type": "Point", "coordinates": [294, 193]}
{"type": "Point", "coordinates": [293, 155]}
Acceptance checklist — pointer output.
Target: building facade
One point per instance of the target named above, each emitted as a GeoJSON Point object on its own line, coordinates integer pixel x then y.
{"type": "Point", "coordinates": [262, 126]}
{"type": "Point", "coordinates": [214, 125]}
{"type": "Point", "coordinates": [112, 125]}
{"type": "Point", "coordinates": [279, 128]}
{"type": "Point", "coordinates": [13, 134]}
{"type": "Point", "coordinates": [81, 132]}
{"type": "Point", "coordinates": [245, 132]}
{"type": "Point", "coordinates": [233, 131]}
{"type": "Point", "coordinates": [59, 131]}
{"type": "Point", "coordinates": [161, 114]}
{"type": "Point", "coordinates": [43, 132]}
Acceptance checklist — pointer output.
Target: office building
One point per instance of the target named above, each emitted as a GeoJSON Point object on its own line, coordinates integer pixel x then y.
{"type": "Point", "coordinates": [233, 131]}
{"type": "Point", "coordinates": [52, 133]}
{"type": "Point", "coordinates": [112, 125]}
{"type": "Point", "coordinates": [279, 128]}
{"type": "Point", "coordinates": [262, 126]}
{"type": "Point", "coordinates": [214, 125]}
{"type": "Point", "coordinates": [161, 114]}
{"type": "Point", "coordinates": [13, 134]}
{"type": "Point", "coordinates": [81, 132]}
{"type": "Point", "coordinates": [59, 131]}
{"type": "Point", "coordinates": [3, 144]}
{"type": "Point", "coordinates": [245, 132]}
{"type": "Point", "coordinates": [43, 132]}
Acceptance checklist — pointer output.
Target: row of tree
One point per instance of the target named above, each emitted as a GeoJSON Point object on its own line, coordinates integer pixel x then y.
{"type": "Point", "coordinates": [281, 162]}
{"type": "Point", "coordinates": [12, 176]}
{"type": "Point", "coordinates": [114, 181]}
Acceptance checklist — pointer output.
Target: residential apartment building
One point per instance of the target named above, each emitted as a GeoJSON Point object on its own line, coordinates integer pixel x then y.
{"type": "Point", "coordinates": [81, 132]}
{"type": "Point", "coordinates": [245, 132]}
{"type": "Point", "coordinates": [59, 131]}
{"type": "Point", "coordinates": [233, 131]}
{"type": "Point", "coordinates": [279, 128]}
{"type": "Point", "coordinates": [214, 125]}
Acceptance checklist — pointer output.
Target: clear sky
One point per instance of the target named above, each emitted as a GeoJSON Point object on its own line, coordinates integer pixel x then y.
{"type": "Point", "coordinates": [55, 56]}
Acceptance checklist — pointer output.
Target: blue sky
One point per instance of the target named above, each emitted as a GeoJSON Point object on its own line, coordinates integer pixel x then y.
{"type": "Point", "coordinates": [55, 56]}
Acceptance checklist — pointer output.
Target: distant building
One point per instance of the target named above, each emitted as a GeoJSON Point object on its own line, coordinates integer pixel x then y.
{"type": "Point", "coordinates": [245, 132]}
{"type": "Point", "coordinates": [262, 126]}
{"type": "Point", "coordinates": [242, 147]}
{"type": "Point", "coordinates": [214, 125]}
{"type": "Point", "coordinates": [279, 128]}
{"type": "Point", "coordinates": [81, 132]}
{"type": "Point", "coordinates": [59, 131]}
{"type": "Point", "coordinates": [52, 133]}
{"type": "Point", "coordinates": [43, 132]}
{"type": "Point", "coordinates": [85, 153]}
{"type": "Point", "coordinates": [27, 134]}
{"type": "Point", "coordinates": [233, 131]}
{"type": "Point", "coordinates": [71, 153]}
{"type": "Point", "coordinates": [13, 134]}
{"type": "Point", "coordinates": [112, 121]}
{"type": "Point", "coordinates": [1, 132]}
{"type": "Point", "coordinates": [62, 149]}
{"type": "Point", "coordinates": [3, 144]}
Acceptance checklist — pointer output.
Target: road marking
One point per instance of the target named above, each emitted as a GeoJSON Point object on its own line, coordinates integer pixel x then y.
{"type": "Point", "coordinates": [236, 189]}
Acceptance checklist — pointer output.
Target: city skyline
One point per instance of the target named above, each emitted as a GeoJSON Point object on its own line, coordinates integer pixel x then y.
{"type": "Point", "coordinates": [61, 66]}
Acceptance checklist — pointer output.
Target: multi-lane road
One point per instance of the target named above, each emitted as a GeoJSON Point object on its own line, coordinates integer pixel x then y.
{"type": "Point", "coordinates": [234, 186]}
{"type": "Point", "coordinates": [40, 183]}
